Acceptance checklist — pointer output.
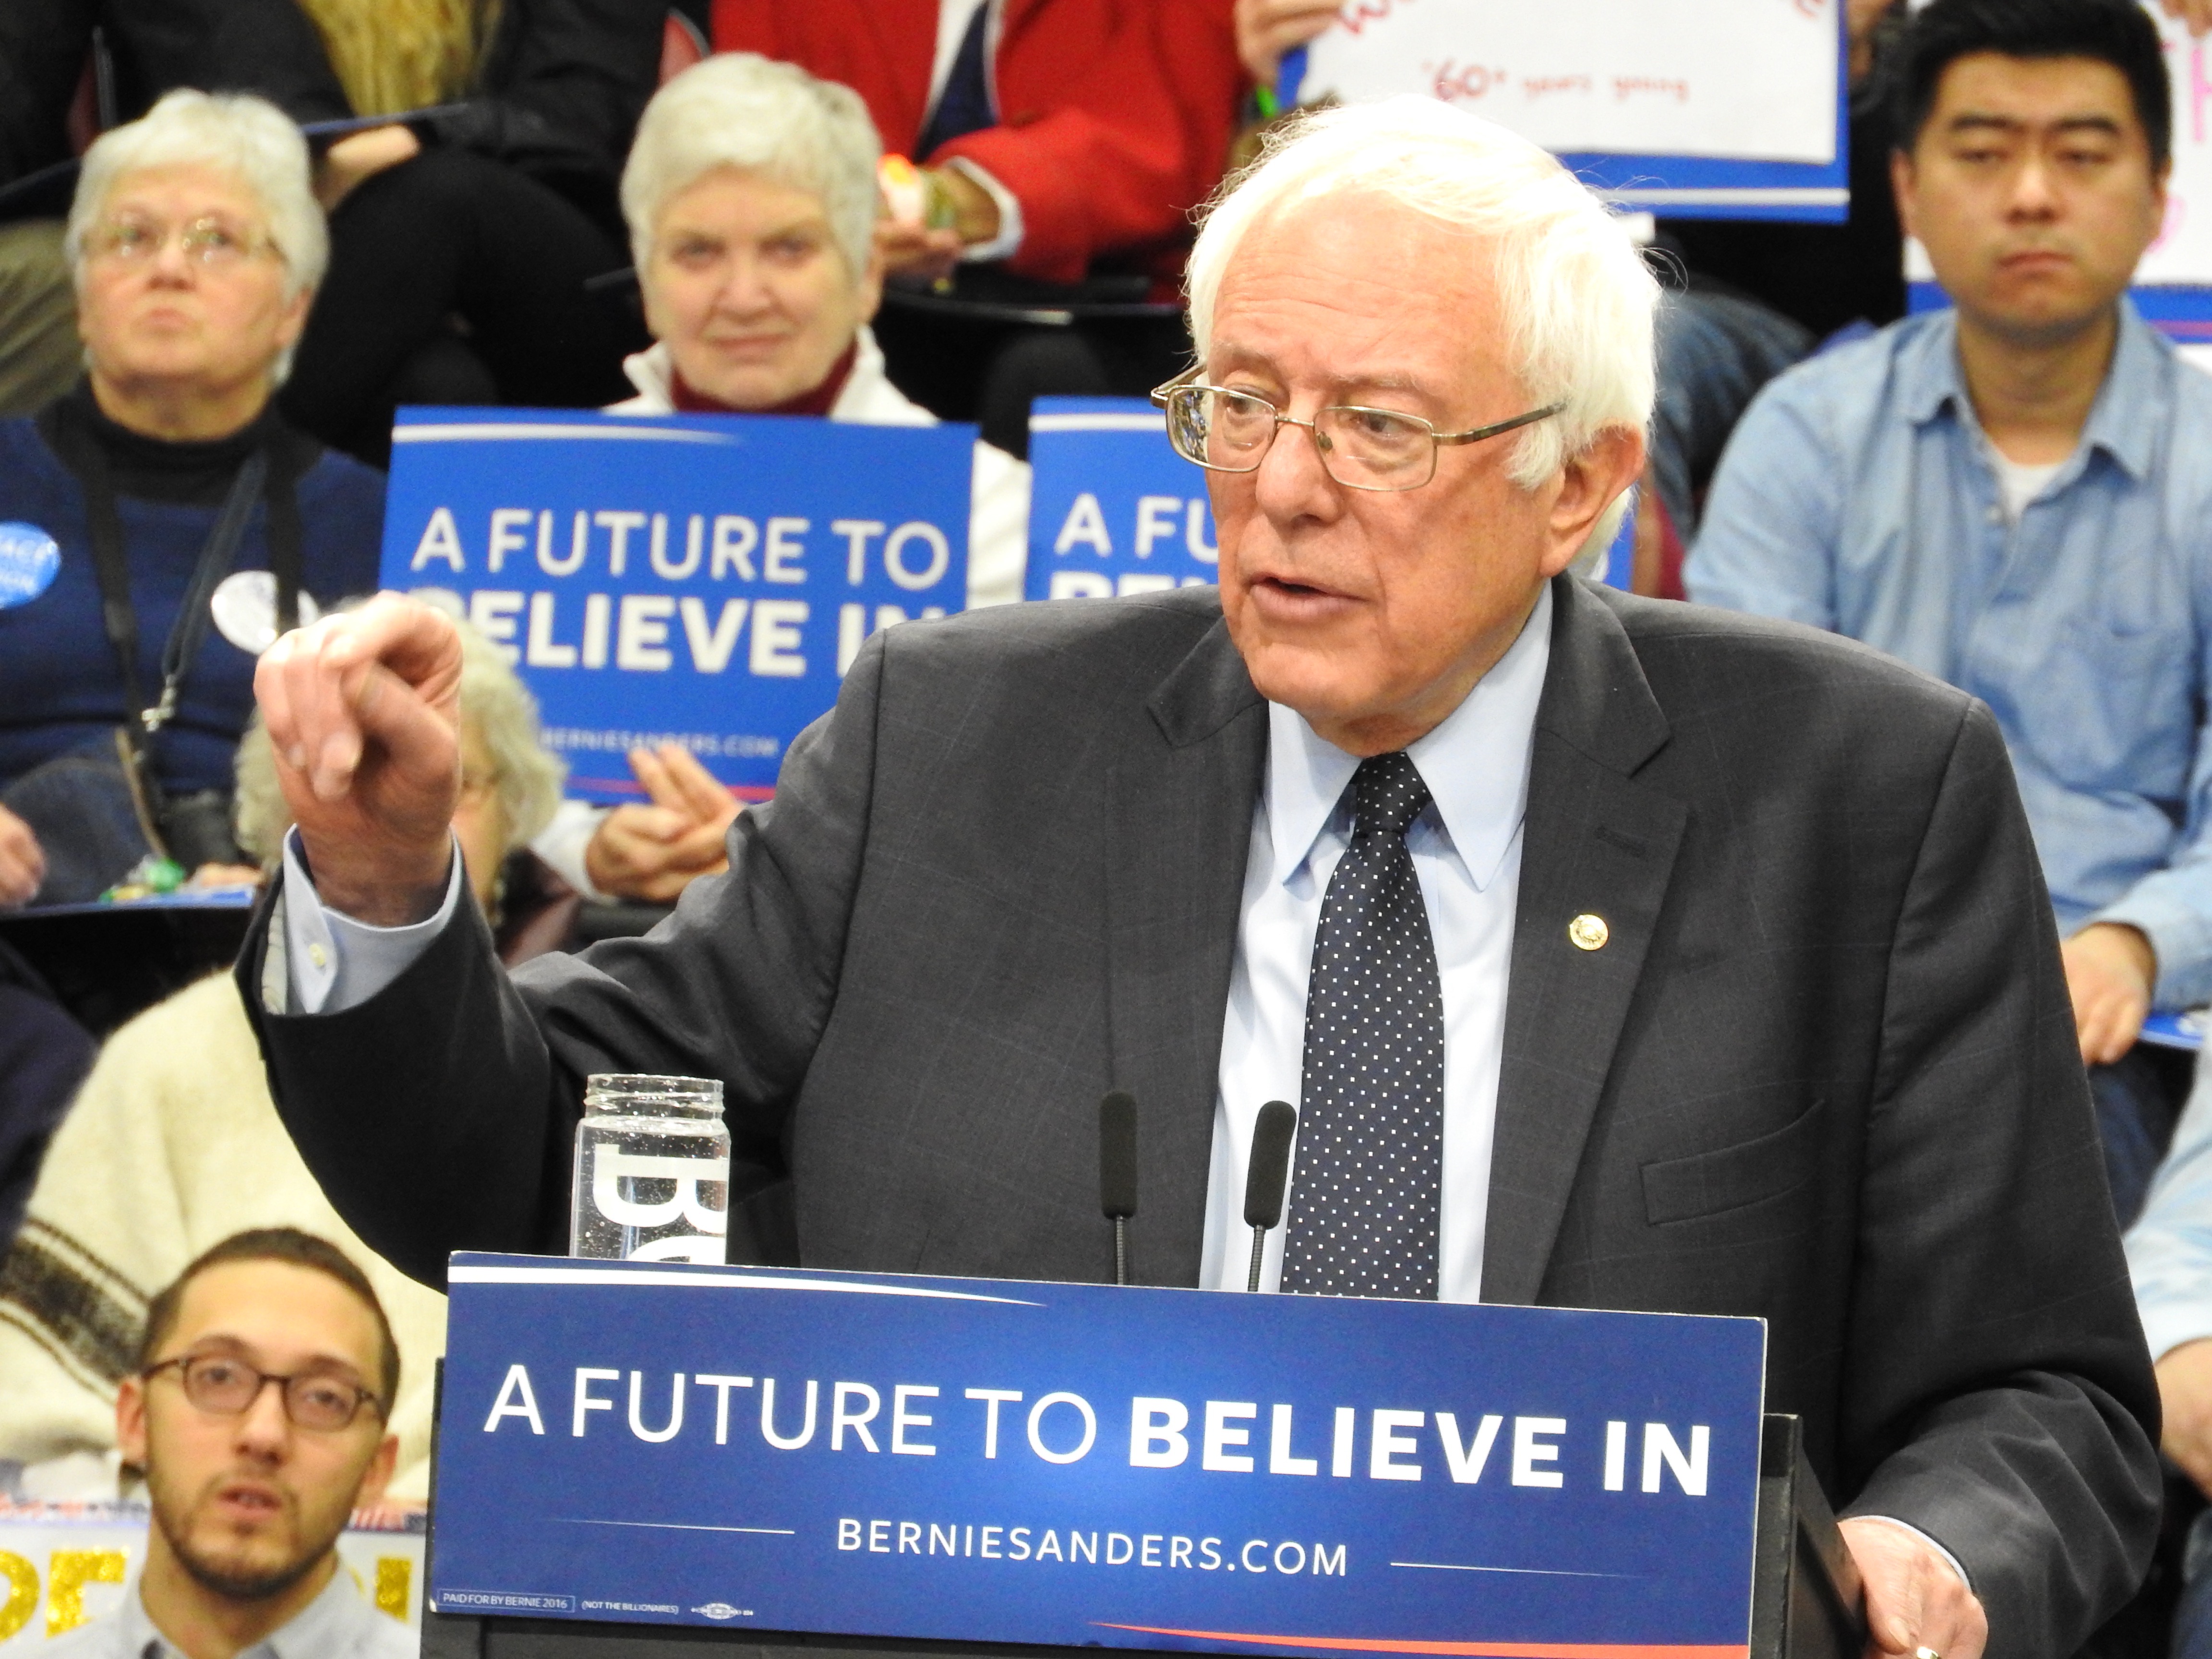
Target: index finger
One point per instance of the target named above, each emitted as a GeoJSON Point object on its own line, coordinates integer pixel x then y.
{"type": "Point", "coordinates": [707, 799]}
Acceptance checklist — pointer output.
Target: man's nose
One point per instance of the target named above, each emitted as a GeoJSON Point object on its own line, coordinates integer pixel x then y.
{"type": "Point", "coordinates": [1291, 482]}
{"type": "Point", "coordinates": [2034, 195]}
{"type": "Point", "coordinates": [264, 1429]}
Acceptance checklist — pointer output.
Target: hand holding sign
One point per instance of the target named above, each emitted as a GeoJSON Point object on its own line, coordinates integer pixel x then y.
{"type": "Point", "coordinates": [652, 853]}
{"type": "Point", "coordinates": [1915, 1602]}
{"type": "Point", "coordinates": [22, 865]}
{"type": "Point", "coordinates": [363, 709]}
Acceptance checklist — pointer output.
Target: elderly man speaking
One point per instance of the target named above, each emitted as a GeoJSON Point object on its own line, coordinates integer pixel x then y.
{"type": "Point", "coordinates": [1618, 955]}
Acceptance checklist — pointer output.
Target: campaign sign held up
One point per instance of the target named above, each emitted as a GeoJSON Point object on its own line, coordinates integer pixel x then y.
{"type": "Point", "coordinates": [984, 1460]}
{"type": "Point", "coordinates": [1113, 509]}
{"type": "Point", "coordinates": [693, 578]}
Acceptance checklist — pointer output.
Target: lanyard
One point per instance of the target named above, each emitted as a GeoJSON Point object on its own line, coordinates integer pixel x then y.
{"type": "Point", "coordinates": [120, 619]}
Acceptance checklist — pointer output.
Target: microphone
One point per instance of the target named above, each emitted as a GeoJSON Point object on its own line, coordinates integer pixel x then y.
{"type": "Point", "coordinates": [1266, 1176]}
{"type": "Point", "coordinates": [1117, 1172]}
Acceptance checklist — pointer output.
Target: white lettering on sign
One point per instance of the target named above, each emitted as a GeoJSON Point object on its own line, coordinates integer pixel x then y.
{"type": "Point", "coordinates": [1279, 1460]}
{"type": "Point", "coordinates": [857, 533]}
{"type": "Point", "coordinates": [776, 638]}
{"type": "Point", "coordinates": [1084, 524]}
{"type": "Point", "coordinates": [735, 537]}
{"type": "Point", "coordinates": [618, 526]}
{"type": "Point", "coordinates": [675, 1424]}
{"type": "Point", "coordinates": [1465, 1462]}
{"type": "Point", "coordinates": [695, 547]}
{"type": "Point", "coordinates": [783, 549]}
{"type": "Point", "coordinates": [841, 1419]}
{"type": "Point", "coordinates": [1082, 1447]}
{"type": "Point", "coordinates": [579, 544]}
{"type": "Point", "coordinates": [642, 632]}
{"type": "Point", "coordinates": [1155, 521]}
{"type": "Point", "coordinates": [440, 540]}
{"type": "Point", "coordinates": [1214, 1452]}
{"type": "Point", "coordinates": [596, 608]}
{"type": "Point", "coordinates": [507, 536]}
{"type": "Point", "coordinates": [542, 651]}
{"type": "Point", "coordinates": [1194, 538]}
{"type": "Point", "coordinates": [611, 1166]}
{"type": "Point", "coordinates": [792, 1442]}
{"type": "Point", "coordinates": [1385, 1444]}
{"type": "Point", "coordinates": [721, 1385]}
{"type": "Point", "coordinates": [1156, 1440]}
{"type": "Point", "coordinates": [711, 646]}
{"type": "Point", "coordinates": [903, 1420]}
{"type": "Point", "coordinates": [585, 1400]}
{"type": "Point", "coordinates": [894, 563]}
{"type": "Point", "coordinates": [1616, 1455]}
{"type": "Point", "coordinates": [1660, 1446]}
{"type": "Point", "coordinates": [1528, 1450]}
{"type": "Point", "coordinates": [515, 1399]}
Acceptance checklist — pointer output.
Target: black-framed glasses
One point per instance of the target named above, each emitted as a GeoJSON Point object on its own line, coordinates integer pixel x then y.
{"type": "Point", "coordinates": [1361, 448]}
{"type": "Point", "coordinates": [223, 1385]}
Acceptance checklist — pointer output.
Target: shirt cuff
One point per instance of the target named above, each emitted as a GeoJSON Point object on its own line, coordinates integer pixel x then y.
{"type": "Point", "coordinates": [333, 962]}
{"type": "Point", "coordinates": [1952, 1560]}
{"type": "Point", "coordinates": [1008, 241]}
{"type": "Point", "coordinates": [563, 843]}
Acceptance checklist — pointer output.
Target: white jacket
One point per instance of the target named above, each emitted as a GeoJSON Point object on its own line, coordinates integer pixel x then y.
{"type": "Point", "coordinates": [998, 534]}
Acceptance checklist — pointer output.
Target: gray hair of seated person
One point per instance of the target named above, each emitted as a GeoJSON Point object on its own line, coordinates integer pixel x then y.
{"type": "Point", "coordinates": [247, 138]}
{"type": "Point", "coordinates": [738, 109]}
{"type": "Point", "coordinates": [1579, 299]}
{"type": "Point", "coordinates": [494, 704]}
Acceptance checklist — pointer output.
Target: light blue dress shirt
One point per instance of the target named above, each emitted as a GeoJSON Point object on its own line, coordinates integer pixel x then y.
{"type": "Point", "coordinates": [2170, 1246]}
{"type": "Point", "coordinates": [1467, 856]}
{"type": "Point", "coordinates": [338, 1624]}
{"type": "Point", "coordinates": [1857, 494]}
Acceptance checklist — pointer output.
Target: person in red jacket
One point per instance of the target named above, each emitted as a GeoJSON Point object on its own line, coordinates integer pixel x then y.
{"type": "Point", "coordinates": [1071, 139]}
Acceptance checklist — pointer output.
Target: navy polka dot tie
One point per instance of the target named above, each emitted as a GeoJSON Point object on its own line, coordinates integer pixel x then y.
{"type": "Point", "coordinates": [1363, 1213]}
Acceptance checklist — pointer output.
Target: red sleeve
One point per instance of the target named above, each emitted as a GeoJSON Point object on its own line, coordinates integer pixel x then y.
{"type": "Point", "coordinates": [882, 49]}
{"type": "Point", "coordinates": [1116, 117]}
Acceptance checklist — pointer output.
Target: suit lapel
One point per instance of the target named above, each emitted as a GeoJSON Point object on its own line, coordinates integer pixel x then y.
{"type": "Point", "coordinates": [1596, 843]}
{"type": "Point", "coordinates": [1181, 799]}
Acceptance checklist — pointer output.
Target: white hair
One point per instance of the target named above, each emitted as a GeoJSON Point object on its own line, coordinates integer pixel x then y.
{"type": "Point", "coordinates": [247, 138]}
{"type": "Point", "coordinates": [1577, 297]}
{"type": "Point", "coordinates": [495, 706]}
{"type": "Point", "coordinates": [740, 110]}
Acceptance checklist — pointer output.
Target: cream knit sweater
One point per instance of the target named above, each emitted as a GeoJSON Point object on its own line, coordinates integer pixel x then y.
{"type": "Point", "coordinates": [173, 1146]}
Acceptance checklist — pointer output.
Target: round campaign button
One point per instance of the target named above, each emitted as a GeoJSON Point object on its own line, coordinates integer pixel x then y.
{"type": "Point", "coordinates": [28, 560]}
{"type": "Point", "coordinates": [243, 606]}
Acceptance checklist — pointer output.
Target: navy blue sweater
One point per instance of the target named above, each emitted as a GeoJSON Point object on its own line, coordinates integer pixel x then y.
{"type": "Point", "coordinates": [60, 686]}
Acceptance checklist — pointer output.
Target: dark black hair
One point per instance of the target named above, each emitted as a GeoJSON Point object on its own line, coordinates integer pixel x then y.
{"type": "Point", "coordinates": [299, 1249]}
{"type": "Point", "coordinates": [2116, 32]}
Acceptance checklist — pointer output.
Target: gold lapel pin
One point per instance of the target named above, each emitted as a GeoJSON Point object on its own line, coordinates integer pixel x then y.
{"type": "Point", "coordinates": [1588, 932]}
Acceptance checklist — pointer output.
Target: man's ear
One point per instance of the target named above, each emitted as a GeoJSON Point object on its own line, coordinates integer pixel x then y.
{"type": "Point", "coordinates": [1903, 182]}
{"type": "Point", "coordinates": [131, 1421]}
{"type": "Point", "coordinates": [1589, 483]}
{"type": "Point", "coordinates": [378, 1475]}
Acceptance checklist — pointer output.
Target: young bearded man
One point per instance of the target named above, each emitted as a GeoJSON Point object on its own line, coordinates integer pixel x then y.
{"type": "Point", "coordinates": [2012, 495]}
{"type": "Point", "coordinates": [257, 1415]}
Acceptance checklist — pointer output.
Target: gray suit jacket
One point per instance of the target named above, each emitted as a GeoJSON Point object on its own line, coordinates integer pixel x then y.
{"type": "Point", "coordinates": [1824, 1071]}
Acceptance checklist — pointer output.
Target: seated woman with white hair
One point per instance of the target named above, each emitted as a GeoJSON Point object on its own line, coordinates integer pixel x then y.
{"type": "Point", "coordinates": [752, 197]}
{"type": "Point", "coordinates": [160, 522]}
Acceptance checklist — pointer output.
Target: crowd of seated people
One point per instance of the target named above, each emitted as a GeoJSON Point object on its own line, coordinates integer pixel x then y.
{"type": "Point", "coordinates": [204, 353]}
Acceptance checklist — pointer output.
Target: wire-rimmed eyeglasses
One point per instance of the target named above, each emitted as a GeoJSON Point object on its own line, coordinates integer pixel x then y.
{"type": "Point", "coordinates": [209, 240]}
{"type": "Point", "coordinates": [223, 1385]}
{"type": "Point", "coordinates": [1361, 448]}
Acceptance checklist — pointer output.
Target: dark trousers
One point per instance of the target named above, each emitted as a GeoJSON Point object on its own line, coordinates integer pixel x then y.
{"type": "Point", "coordinates": [2138, 1097]}
{"type": "Point", "coordinates": [454, 278]}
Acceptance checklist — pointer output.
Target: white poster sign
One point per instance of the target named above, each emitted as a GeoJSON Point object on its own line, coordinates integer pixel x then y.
{"type": "Point", "coordinates": [1752, 79]}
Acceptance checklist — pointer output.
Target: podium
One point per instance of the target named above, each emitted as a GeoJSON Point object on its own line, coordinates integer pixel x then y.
{"type": "Point", "coordinates": [1805, 1598]}
{"type": "Point", "coordinates": [1515, 1517]}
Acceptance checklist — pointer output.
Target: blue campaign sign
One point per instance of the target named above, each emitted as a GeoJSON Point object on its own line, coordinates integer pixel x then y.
{"type": "Point", "coordinates": [693, 578]}
{"type": "Point", "coordinates": [984, 1460]}
{"type": "Point", "coordinates": [1113, 509]}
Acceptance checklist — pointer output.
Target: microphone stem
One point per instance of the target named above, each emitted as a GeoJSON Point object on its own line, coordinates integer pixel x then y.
{"type": "Point", "coordinates": [1121, 1249]}
{"type": "Point", "coordinates": [1258, 1251]}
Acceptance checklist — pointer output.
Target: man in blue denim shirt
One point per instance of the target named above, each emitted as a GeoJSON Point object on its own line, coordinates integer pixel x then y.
{"type": "Point", "coordinates": [2016, 495]}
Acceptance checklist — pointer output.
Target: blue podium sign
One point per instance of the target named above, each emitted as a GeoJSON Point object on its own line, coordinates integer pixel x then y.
{"type": "Point", "coordinates": [996, 1461]}
{"type": "Point", "coordinates": [1113, 509]}
{"type": "Point", "coordinates": [693, 578]}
